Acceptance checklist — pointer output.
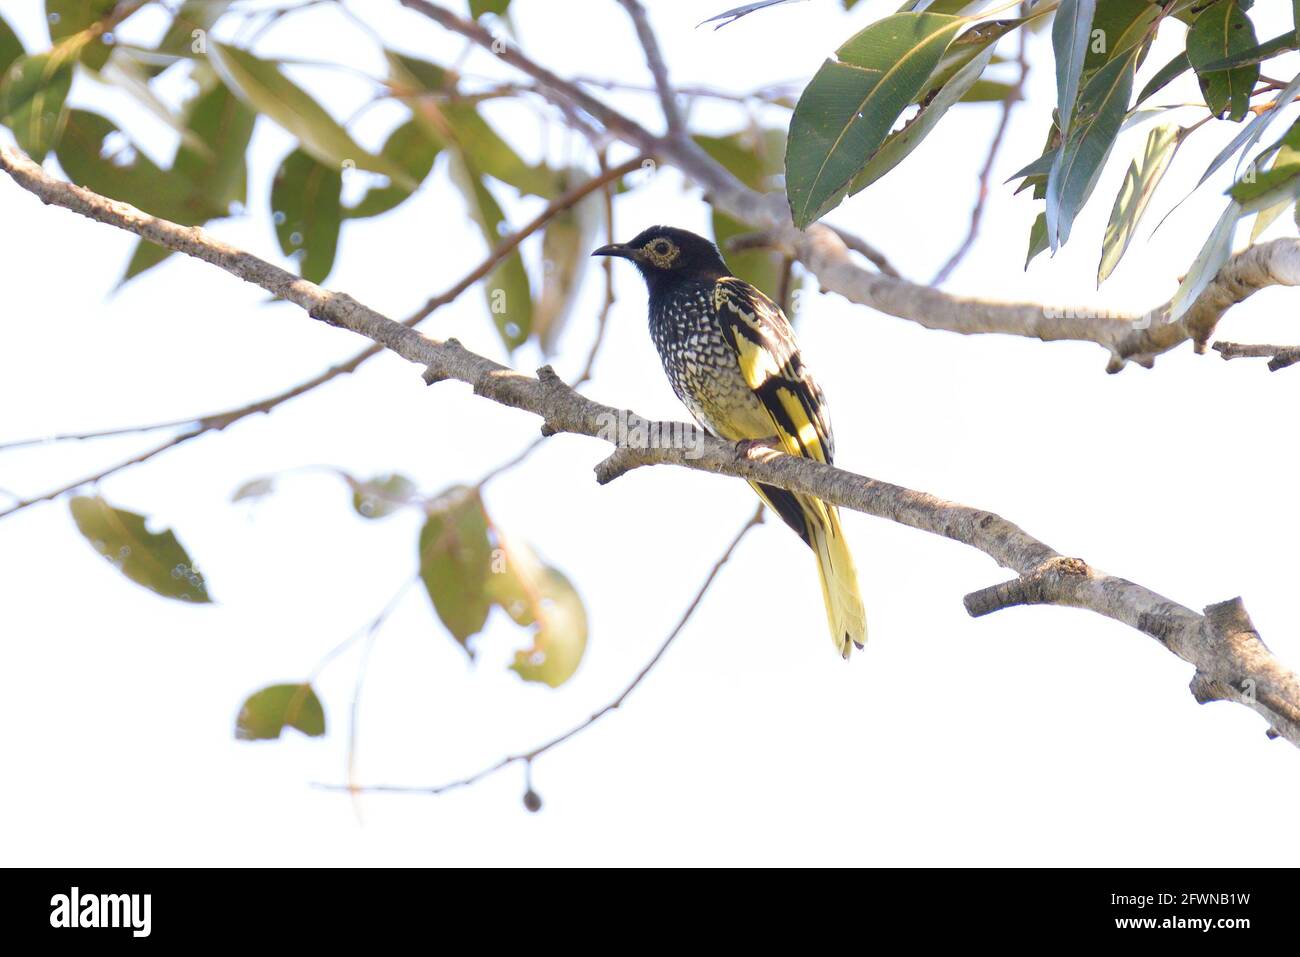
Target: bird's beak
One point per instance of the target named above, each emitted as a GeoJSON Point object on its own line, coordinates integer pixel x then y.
{"type": "Point", "coordinates": [616, 249]}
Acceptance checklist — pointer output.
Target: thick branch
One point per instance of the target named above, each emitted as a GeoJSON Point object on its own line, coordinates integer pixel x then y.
{"type": "Point", "coordinates": [1137, 337]}
{"type": "Point", "coordinates": [1222, 649]}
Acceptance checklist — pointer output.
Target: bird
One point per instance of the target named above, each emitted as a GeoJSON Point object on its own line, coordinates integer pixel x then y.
{"type": "Point", "coordinates": [730, 355]}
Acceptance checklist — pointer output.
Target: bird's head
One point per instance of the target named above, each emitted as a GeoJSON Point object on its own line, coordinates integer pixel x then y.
{"type": "Point", "coordinates": [666, 254]}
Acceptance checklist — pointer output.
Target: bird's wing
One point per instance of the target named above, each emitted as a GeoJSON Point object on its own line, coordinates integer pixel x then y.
{"type": "Point", "coordinates": [756, 328]}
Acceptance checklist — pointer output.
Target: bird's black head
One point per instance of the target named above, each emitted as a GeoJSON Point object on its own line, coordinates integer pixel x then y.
{"type": "Point", "coordinates": [666, 254]}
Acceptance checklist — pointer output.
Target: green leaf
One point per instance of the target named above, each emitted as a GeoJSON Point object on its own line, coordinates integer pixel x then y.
{"type": "Point", "coordinates": [69, 17]}
{"type": "Point", "coordinates": [307, 210]}
{"type": "Point", "coordinates": [1267, 217]}
{"type": "Point", "coordinates": [1071, 31]}
{"type": "Point", "coordinates": [144, 257]}
{"type": "Point", "coordinates": [479, 7]}
{"type": "Point", "coordinates": [760, 267]}
{"type": "Point", "coordinates": [756, 158]}
{"type": "Point", "coordinates": [96, 154]}
{"type": "Point", "coordinates": [410, 76]}
{"type": "Point", "coordinates": [224, 125]}
{"type": "Point", "coordinates": [263, 87]}
{"type": "Point", "coordinates": [738, 154]}
{"type": "Point", "coordinates": [1140, 182]}
{"type": "Point", "coordinates": [492, 155]}
{"type": "Point", "coordinates": [1118, 26]}
{"type": "Point", "coordinates": [850, 105]}
{"type": "Point", "coordinates": [155, 560]}
{"type": "Point", "coordinates": [186, 35]}
{"type": "Point", "coordinates": [1285, 167]}
{"type": "Point", "coordinates": [899, 144]}
{"type": "Point", "coordinates": [535, 594]}
{"type": "Point", "coordinates": [11, 48]}
{"type": "Point", "coordinates": [1220, 31]}
{"type": "Point", "coordinates": [566, 241]}
{"type": "Point", "coordinates": [381, 496]}
{"type": "Point", "coordinates": [254, 489]}
{"type": "Point", "coordinates": [268, 712]}
{"type": "Point", "coordinates": [33, 101]}
{"type": "Point", "coordinates": [1208, 262]}
{"type": "Point", "coordinates": [1287, 157]}
{"type": "Point", "coordinates": [414, 149]}
{"type": "Point", "coordinates": [211, 161]}
{"type": "Point", "coordinates": [509, 296]}
{"type": "Point", "coordinates": [1101, 108]}
{"type": "Point", "coordinates": [1250, 134]}
{"type": "Point", "coordinates": [1165, 75]}
{"type": "Point", "coordinates": [989, 91]}
{"type": "Point", "coordinates": [455, 563]}
{"type": "Point", "coordinates": [1256, 54]}
{"type": "Point", "coordinates": [1037, 238]}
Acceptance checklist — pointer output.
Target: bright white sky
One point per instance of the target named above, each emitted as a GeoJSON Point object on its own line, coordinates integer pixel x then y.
{"type": "Point", "coordinates": [1035, 736]}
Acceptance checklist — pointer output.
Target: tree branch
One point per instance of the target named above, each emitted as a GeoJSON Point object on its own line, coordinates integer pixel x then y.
{"type": "Point", "coordinates": [220, 420]}
{"type": "Point", "coordinates": [654, 59]}
{"type": "Point", "coordinates": [1136, 337]}
{"type": "Point", "coordinates": [1221, 647]}
{"type": "Point", "coordinates": [1279, 356]}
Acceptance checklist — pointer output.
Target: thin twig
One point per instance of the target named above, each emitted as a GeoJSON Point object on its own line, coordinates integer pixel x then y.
{"type": "Point", "coordinates": [1014, 96]}
{"type": "Point", "coordinates": [1280, 357]}
{"type": "Point", "coordinates": [102, 434]}
{"type": "Point", "coordinates": [529, 756]}
{"type": "Point", "coordinates": [658, 68]}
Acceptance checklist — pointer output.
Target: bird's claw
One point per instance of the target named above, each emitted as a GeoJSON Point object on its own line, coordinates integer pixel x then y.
{"type": "Point", "coordinates": [754, 448]}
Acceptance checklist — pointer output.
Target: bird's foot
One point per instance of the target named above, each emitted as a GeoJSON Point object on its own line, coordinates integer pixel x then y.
{"type": "Point", "coordinates": [757, 448]}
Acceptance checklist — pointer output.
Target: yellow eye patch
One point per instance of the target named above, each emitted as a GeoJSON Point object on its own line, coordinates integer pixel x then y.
{"type": "Point", "coordinates": [661, 252]}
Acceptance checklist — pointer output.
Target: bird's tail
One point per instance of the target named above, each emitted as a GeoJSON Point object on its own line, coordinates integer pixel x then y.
{"type": "Point", "coordinates": [818, 524]}
{"type": "Point", "coordinates": [839, 577]}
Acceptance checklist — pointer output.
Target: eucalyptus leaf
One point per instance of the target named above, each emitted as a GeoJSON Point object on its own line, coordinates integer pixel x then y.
{"type": "Point", "coordinates": [1037, 238]}
{"type": "Point", "coordinates": [68, 18]}
{"type": "Point", "coordinates": [224, 125]}
{"type": "Point", "coordinates": [509, 296]}
{"type": "Point", "coordinates": [1071, 32]}
{"type": "Point", "coordinates": [308, 211]}
{"type": "Point", "coordinates": [262, 85]}
{"type": "Point", "coordinates": [96, 154]}
{"type": "Point", "coordinates": [456, 563]}
{"type": "Point", "coordinates": [899, 144]}
{"type": "Point", "coordinates": [1220, 31]}
{"type": "Point", "coordinates": [849, 107]}
{"type": "Point", "coordinates": [410, 146]}
{"type": "Point", "coordinates": [33, 100]}
{"type": "Point", "coordinates": [566, 240]}
{"type": "Point", "coordinates": [1140, 182]}
{"type": "Point", "coordinates": [11, 48]}
{"type": "Point", "coordinates": [155, 560]}
{"type": "Point", "coordinates": [382, 495]}
{"type": "Point", "coordinates": [1102, 105]}
{"type": "Point", "coordinates": [1256, 54]}
{"type": "Point", "coordinates": [1214, 253]}
{"type": "Point", "coordinates": [1164, 76]}
{"type": "Point", "coordinates": [266, 713]}
{"type": "Point", "coordinates": [535, 594]}
{"type": "Point", "coordinates": [1250, 134]}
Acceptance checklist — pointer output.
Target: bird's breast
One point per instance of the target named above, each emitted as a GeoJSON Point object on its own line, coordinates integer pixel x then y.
{"type": "Point", "coordinates": [701, 365]}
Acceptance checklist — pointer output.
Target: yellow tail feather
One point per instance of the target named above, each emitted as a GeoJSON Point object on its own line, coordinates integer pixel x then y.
{"type": "Point", "coordinates": [839, 578]}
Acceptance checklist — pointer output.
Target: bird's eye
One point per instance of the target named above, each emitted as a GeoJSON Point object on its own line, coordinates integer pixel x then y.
{"type": "Point", "coordinates": [662, 247]}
